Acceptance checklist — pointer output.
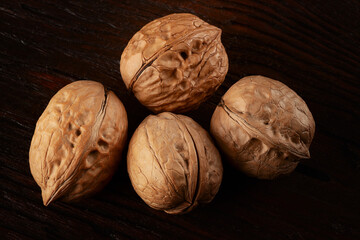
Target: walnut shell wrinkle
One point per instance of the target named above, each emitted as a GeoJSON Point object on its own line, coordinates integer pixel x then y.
{"type": "Point", "coordinates": [263, 127]}
{"type": "Point", "coordinates": [173, 164]}
{"type": "Point", "coordinates": [78, 142]}
{"type": "Point", "coordinates": [174, 63]}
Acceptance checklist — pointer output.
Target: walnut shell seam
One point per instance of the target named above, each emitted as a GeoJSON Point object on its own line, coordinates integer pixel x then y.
{"type": "Point", "coordinates": [166, 48]}
{"type": "Point", "coordinates": [302, 153]}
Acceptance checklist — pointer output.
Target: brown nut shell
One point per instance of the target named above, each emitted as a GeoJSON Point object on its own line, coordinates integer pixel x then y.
{"type": "Point", "coordinates": [173, 164]}
{"type": "Point", "coordinates": [78, 141]}
{"type": "Point", "coordinates": [263, 127]}
{"type": "Point", "coordinates": [174, 63]}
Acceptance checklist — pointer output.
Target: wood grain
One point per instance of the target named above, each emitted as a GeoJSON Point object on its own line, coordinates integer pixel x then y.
{"type": "Point", "coordinates": [311, 46]}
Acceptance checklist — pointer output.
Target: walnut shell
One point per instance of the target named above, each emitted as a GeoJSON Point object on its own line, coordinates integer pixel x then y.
{"type": "Point", "coordinates": [173, 164]}
{"type": "Point", "coordinates": [263, 127]}
{"type": "Point", "coordinates": [78, 141]}
{"type": "Point", "coordinates": [174, 63]}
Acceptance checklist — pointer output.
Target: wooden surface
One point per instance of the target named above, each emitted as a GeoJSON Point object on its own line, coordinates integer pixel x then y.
{"type": "Point", "coordinates": [312, 46]}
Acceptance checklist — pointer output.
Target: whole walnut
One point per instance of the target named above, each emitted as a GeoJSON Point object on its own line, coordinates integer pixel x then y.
{"type": "Point", "coordinates": [174, 63]}
{"type": "Point", "coordinates": [173, 164]}
{"type": "Point", "coordinates": [263, 127]}
{"type": "Point", "coordinates": [78, 141]}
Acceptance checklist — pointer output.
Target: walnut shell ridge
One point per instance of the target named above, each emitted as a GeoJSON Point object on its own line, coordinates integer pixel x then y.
{"type": "Point", "coordinates": [173, 164]}
{"type": "Point", "coordinates": [78, 141]}
{"type": "Point", "coordinates": [263, 127]}
{"type": "Point", "coordinates": [174, 63]}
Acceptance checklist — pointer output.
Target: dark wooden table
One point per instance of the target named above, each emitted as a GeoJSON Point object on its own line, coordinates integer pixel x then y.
{"type": "Point", "coordinates": [312, 46]}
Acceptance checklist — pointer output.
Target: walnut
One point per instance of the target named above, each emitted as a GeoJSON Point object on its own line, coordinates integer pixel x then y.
{"type": "Point", "coordinates": [263, 127]}
{"type": "Point", "coordinates": [77, 142]}
{"type": "Point", "coordinates": [173, 164]}
{"type": "Point", "coordinates": [174, 63]}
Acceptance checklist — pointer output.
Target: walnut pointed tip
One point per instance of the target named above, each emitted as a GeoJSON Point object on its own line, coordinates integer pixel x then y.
{"type": "Point", "coordinates": [305, 154]}
{"type": "Point", "coordinates": [46, 202]}
{"type": "Point", "coordinates": [47, 197]}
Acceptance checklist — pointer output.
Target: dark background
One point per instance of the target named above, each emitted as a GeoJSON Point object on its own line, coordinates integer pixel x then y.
{"type": "Point", "coordinates": [311, 46]}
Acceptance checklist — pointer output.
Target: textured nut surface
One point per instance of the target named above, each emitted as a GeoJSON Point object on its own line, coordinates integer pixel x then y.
{"type": "Point", "coordinates": [173, 164]}
{"type": "Point", "coordinates": [77, 141]}
{"type": "Point", "coordinates": [174, 63]}
{"type": "Point", "coordinates": [263, 127]}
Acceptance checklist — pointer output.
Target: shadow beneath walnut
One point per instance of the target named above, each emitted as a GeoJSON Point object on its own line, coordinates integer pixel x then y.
{"type": "Point", "coordinates": [234, 183]}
